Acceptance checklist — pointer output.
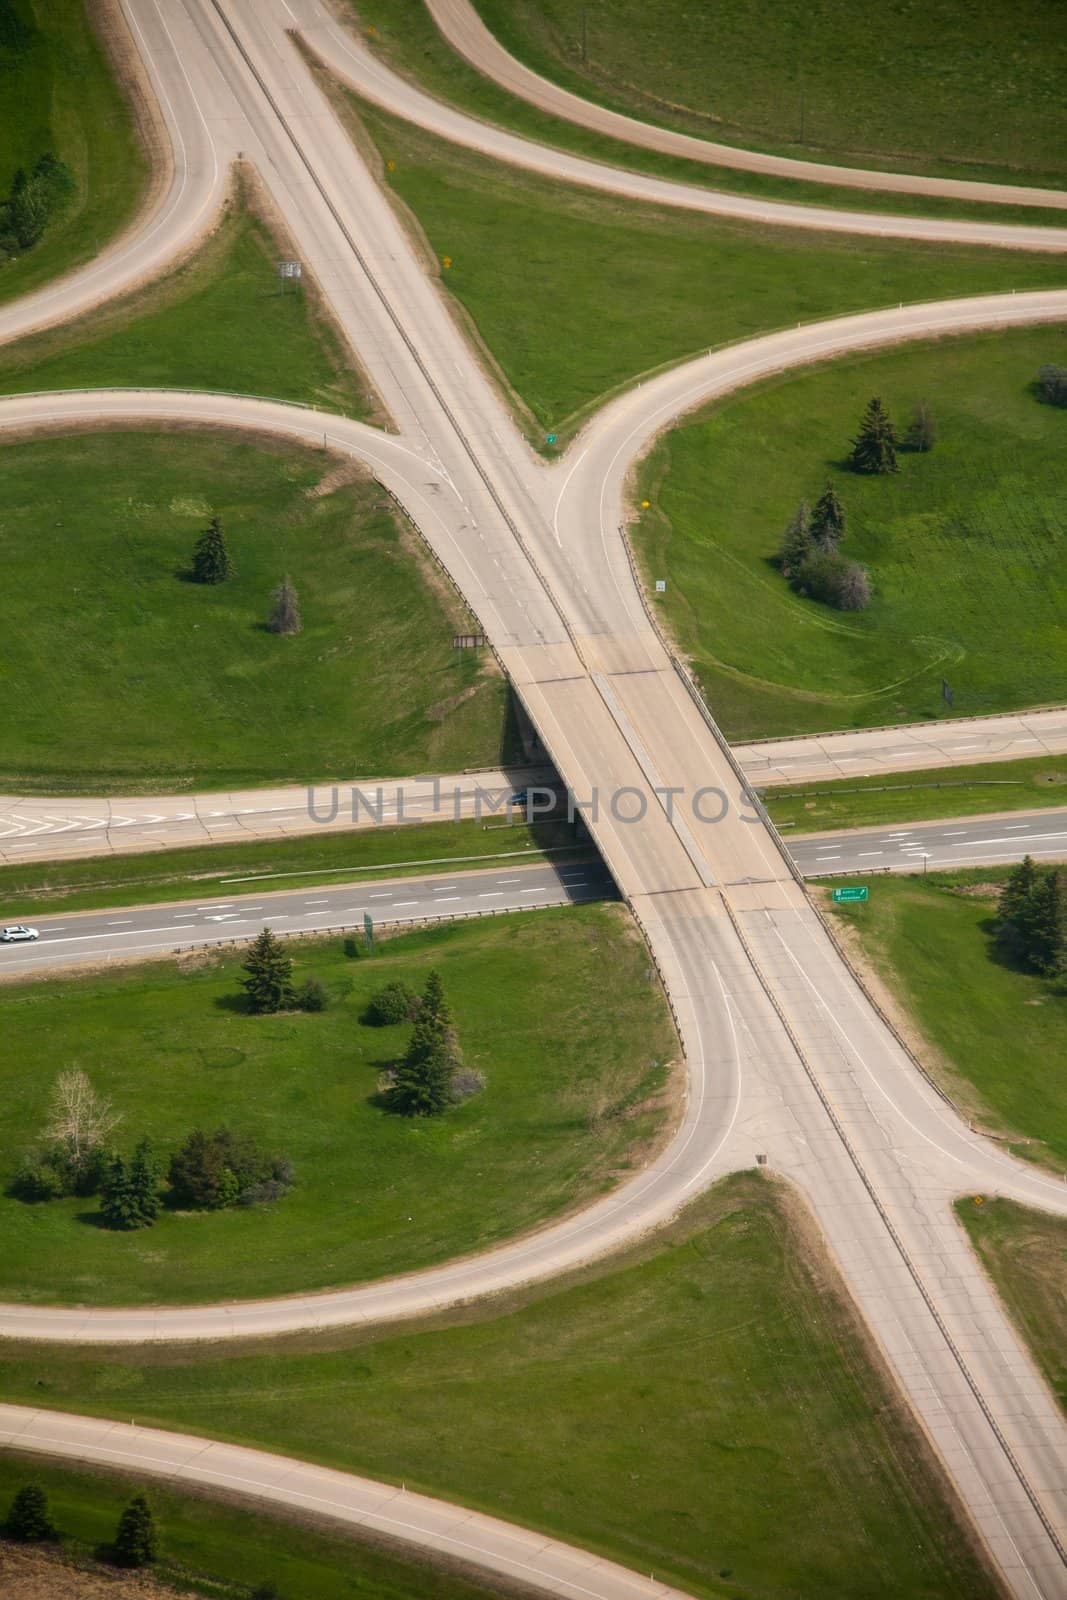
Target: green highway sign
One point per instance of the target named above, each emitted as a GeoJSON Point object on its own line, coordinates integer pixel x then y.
{"type": "Point", "coordinates": [855, 892]}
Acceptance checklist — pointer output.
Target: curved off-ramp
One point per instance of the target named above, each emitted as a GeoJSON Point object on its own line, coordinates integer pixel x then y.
{"type": "Point", "coordinates": [422, 1527]}
{"type": "Point", "coordinates": [468, 35]}
{"type": "Point", "coordinates": [350, 60]}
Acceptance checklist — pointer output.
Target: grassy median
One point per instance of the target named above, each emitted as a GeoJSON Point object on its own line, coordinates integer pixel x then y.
{"type": "Point", "coordinates": [572, 1098]}
{"type": "Point", "coordinates": [923, 796]}
{"type": "Point", "coordinates": [963, 543]}
{"type": "Point", "coordinates": [211, 1547]}
{"type": "Point", "coordinates": [991, 1032]}
{"type": "Point", "coordinates": [220, 320]}
{"type": "Point", "coordinates": [123, 676]}
{"type": "Point", "coordinates": [928, 92]}
{"type": "Point", "coordinates": [1025, 1253]}
{"type": "Point", "coordinates": [576, 294]}
{"type": "Point", "coordinates": [702, 1408]}
{"type": "Point", "coordinates": [58, 95]}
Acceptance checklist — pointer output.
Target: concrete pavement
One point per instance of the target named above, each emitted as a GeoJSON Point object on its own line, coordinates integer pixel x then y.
{"type": "Point", "coordinates": [865, 752]}
{"type": "Point", "coordinates": [487, 1547]}
{"type": "Point", "coordinates": [464, 30]}
{"type": "Point", "coordinates": [33, 828]}
{"type": "Point", "coordinates": [785, 1055]}
{"type": "Point", "coordinates": [121, 934]}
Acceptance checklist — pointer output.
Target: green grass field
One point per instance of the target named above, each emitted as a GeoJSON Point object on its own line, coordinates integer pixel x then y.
{"type": "Point", "coordinates": [58, 94]}
{"type": "Point", "coordinates": [944, 87]}
{"type": "Point", "coordinates": [405, 37]}
{"type": "Point", "coordinates": [918, 796]}
{"type": "Point", "coordinates": [964, 544]}
{"type": "Point", "coordinates": [218, 321]}
{"type": "Point", "coordinates": [994, 1034]}
{"type": "Point", "coordinates": [1025, 1253]}
{"type": "Point", "coordinates": [701, 1408]}
{"type": "Point", "coordinates": [572, 1097]}
{"type": "Point", "coordinates": [108, 691]}
{"type": "Point", "coordinates": [575, 294]}
{"type": "Point", "coordinates": [196, 872]}
{"type": "Point", "coordinates": [221, 1549]}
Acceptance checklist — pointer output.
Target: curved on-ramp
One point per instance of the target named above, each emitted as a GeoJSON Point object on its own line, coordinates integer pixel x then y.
{"type": "Point", "coordinates": [464, 30]}
{"type": "Point", "coordinates": [349, 60]}
{"type": "Point", "coordinates": [432, 1529]}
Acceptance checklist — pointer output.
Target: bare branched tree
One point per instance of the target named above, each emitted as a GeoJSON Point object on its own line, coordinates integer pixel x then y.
{"type": "Point", "coordinates": [79, 1119]}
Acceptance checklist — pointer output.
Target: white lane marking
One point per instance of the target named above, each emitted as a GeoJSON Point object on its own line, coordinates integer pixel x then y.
{"type": "Point", "coordinates": [443, 898]}
{"type": "Point", "coordinates": [383, 895]}
{"type": "Point", "coordinates": [495, 894]}
{"type": "Point", "coordinates": [533, 891]}
{"type": "Point", "coordinates": [955, 833]}
{"type": "Point", "coordinates": [870, 853]}
{"type": "Point", "coordinates": [399, 903]}
{"type": "Point", "coordinates": [119, 922]}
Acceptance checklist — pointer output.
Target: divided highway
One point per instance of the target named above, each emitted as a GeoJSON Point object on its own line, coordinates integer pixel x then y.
{"type": "Point", "coordinates": [785, 1056]}
{"type": "Point", "coordinates": [971, 842]}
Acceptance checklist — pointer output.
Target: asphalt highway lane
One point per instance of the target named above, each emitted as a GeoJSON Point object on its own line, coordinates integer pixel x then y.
{"type": "Point", "coordinates": [95, 937]}
{"type": "Point", "coordinates": [965, 842]}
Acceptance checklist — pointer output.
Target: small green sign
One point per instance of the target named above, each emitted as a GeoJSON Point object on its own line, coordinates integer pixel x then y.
{"type": "Point", "coordinates": [550, 438]}
{"type": "Point", "coordinates": [854, 892]}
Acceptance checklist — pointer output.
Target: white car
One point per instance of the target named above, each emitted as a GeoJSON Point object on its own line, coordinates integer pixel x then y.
{"type": "Point", "coordinates": [17, 934]}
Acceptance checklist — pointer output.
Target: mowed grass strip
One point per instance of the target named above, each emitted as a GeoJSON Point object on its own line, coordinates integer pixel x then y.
{"type": "Point", "coordinates": [965, 544]}
{"type": "Point", "coordinates": [702, 1408]}
{"type": "Point", "coordinates": [950, 87]}
{"type": "Point", "coordinates": [120, 675]}
{"type": "Point", "coordinates": [406, 38]}
{"type": "Point", "coordinates": [993, 1033]}
{"type": "Point", "coordinates": [575, 294]}
{"type": "Point", "coordinates": [1025, 1253]}
{"type": "Point", "coordinates": [58, 93]}
{"type": "Point", "coordinates": [207, 1546]}
{"type": "Point", "coordinates": [221, 320]}
{"type": "Point", "coordinates": [198, 872]}
{"type": "Point", "coordinates": [922, 796]}
{"type": "Point", "coordinates": [574, 1093]}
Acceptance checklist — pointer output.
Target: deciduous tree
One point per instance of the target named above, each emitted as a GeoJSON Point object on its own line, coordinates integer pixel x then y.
{"type": "Point", "coordinates": [285, 618]}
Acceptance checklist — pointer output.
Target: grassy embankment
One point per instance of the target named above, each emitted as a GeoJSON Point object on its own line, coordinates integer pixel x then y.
{"type": "Point", "coordinates": [1025, 1253]}
{"type": "Point", "coordinates": [993, 1034]}
{"type": "Point", "coordinates": [963, 543]}
{"type": "Point", "coordinates": [218, 321]}
{"type": "Point", "coordinates": [58, 94]}
{"type": "Point", "coordinates": [572, 1097]}
{"type": "Point", "coordinates": [405, 37]}
{"type": "Point", "coordinates": [123, 676]}
{"type": "Point", "coordinates": [931, 93]}
{"type": "Point", "coordinates": [919, 796]}
{"type": "Point", "coordinates": [198, 872]}
{"type": "Point", "coordinates": [701, 1408]}
{"type": "Point", "coordinates": [217, 1548]}
{"type": "Point", "coordinates": [575, 294]}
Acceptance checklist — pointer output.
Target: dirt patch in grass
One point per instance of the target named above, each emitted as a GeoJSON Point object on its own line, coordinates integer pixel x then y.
{"type": "Point", "coordinates": [27, 1574]}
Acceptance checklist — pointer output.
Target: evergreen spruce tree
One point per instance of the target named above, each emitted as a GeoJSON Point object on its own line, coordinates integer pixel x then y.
{"type": "Point", "coordinates": [827, 526]}
{"type": "Point", "coordinates": [117, 1203]}
{"type": "Point", "coordinates": [1015, 897]}
{"type": "Point", "coordinates": [144, 1185]}
{"type": "Point", "coordinates": [29, 1518]}
{"type": "Point", "coordinates": [874, 449]}
{"type": "Point", "coordinates": [1046, 930]}
{"type": "Point", "coordinates": [136, 1541]}
{"type": "Point", "coordinates": [285, 618]}
{"type": "Point", "coordinates": [435, 1010]}
{"type": "Point", "coordinates": [269, 984]}
{"type": "Point", "coordinates": [796, 544]}
{"type": "Point", "coordinates": [211, 559]}
{"type": "Point", "coordinates": [422, 1083]}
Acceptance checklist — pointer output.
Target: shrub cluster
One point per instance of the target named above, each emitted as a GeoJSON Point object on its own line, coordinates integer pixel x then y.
{"type": "Point", "coordinates": [37, 197]}
{"type": "Point", "coordinates": [214, 1170]}
{"type": "Point", "coordinates": [1052, 384]}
